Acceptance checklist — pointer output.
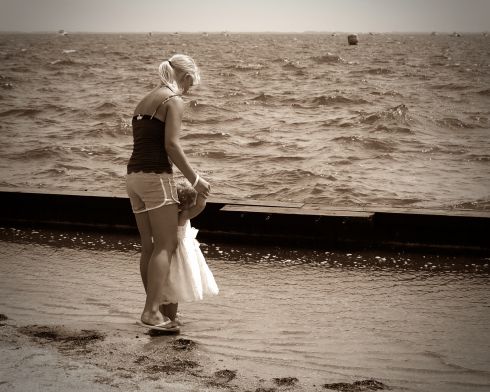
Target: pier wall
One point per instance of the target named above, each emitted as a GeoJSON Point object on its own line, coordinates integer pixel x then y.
{"type": "Point", "coordinates": [264, 222]}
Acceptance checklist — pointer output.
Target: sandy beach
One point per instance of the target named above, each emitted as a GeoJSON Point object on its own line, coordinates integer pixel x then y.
{"type": "Point", "coordinates": [59, 358]}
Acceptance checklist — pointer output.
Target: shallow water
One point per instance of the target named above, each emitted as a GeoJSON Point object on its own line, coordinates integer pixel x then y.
{"type": "Point", "coordinates": [415, 322]}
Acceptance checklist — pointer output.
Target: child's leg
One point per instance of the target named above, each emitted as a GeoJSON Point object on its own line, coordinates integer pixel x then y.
{"type": "Point", "coordinates": [169, 310]}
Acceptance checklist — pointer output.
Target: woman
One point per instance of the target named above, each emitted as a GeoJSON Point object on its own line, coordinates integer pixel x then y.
{"type": "Point", "coordinates": [150, 184]}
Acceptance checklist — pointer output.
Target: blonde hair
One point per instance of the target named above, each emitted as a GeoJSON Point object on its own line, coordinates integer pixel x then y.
{"type": "Point", "coordinates": [181, 62]}
{"type": "Point", "coordinates": [187, 195]}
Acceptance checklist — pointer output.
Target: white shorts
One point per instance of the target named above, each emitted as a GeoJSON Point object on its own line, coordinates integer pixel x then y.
{"type": "Point", "coordinates": [148, 191]}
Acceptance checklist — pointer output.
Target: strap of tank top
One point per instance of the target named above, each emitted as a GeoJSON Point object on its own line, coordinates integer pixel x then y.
{"type": "Point", "coordinates": [162, 103]}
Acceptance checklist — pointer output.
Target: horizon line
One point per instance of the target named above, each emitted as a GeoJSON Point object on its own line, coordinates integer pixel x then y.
{"type": "Point", "coordinates": [242, 32]}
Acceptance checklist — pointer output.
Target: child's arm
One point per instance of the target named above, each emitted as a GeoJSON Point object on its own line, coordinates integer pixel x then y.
{"type": "Point", "coordinates": [198, 208]}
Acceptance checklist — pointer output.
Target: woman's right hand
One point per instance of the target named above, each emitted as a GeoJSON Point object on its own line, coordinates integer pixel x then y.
{"type": "Point", "coordinates": [203, 187]}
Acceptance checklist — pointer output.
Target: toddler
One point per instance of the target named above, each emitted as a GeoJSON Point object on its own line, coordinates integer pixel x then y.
{"type": "Point", "coordinates": [189, 278]}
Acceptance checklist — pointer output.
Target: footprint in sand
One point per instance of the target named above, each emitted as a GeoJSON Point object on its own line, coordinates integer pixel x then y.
{"type": "Point", "coordinates": [224, 376]}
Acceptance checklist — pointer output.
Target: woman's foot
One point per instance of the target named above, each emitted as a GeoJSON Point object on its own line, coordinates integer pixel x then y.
{"type": "Point", "coordinates": [153, 318]}
{"type": "Point", "coordinates": [165, 326]}
{"type": "Point", "coordinates": [158, 322]}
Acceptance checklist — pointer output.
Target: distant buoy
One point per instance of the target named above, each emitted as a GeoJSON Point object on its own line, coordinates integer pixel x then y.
{"type": "Point", "coordinates": [352, 39]}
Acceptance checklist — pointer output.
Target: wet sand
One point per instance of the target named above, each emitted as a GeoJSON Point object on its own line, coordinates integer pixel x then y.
{"type": "Point", "coordinates": [60, 358]}
{"type": "Point", "coordinates": [55, 357]}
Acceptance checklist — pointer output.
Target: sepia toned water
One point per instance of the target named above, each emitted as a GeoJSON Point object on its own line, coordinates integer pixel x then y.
{"type": "Point", "coordinates": [398, 120]}
{"type": "Point", "coordinates": [413, 322]}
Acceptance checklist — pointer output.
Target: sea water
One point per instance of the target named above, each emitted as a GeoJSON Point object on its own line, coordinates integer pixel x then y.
{"type": "Point", "coordinates": [399, 120]}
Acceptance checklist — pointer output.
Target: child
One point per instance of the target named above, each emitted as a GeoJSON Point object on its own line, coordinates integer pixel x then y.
{"type": "Point", "coordinates": [189, 278]}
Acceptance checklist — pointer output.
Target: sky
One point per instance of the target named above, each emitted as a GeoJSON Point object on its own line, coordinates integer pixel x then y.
{"type": "Point", "coordinates": [356, 16]}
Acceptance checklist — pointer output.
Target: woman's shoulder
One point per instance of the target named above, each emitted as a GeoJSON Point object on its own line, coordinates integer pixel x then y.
{"type": "Point", "coordinates": [162, 95]}
{"type": "Point", "coordinates": [155, 99]}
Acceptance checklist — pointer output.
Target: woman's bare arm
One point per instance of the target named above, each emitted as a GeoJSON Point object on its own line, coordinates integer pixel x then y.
{"type": "Point", "coordinates": [173, 122]}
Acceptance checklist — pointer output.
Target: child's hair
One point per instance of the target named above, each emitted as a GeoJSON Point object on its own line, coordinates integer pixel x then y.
{"type": "Point", "coordinates": [187, 195]}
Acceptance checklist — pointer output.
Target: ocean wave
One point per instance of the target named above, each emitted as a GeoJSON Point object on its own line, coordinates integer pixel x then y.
{"type": "Point", "coordinates": [389, 93]}
{"type": "Point", "coordinates": [107, 106]}
{"type": "Point", "coordinates": [220, 155]}
{"type": "Point", "coordinates": [257, 143]}
{"type": "Point", "coordinates": [201, 113]}
{"type": "Point", "coordinates": [289, 158]}
{"type": "Point", "coordinates": [367, 143]}
{"type": "Point", "coordinates": [328, 58]}
{"type": "Point", "coordinates": [71, 167]}
{"type": "Point", "coordinates": [54, 171]}
{"type": "Point", "coordinates": [398, 114]}
{"type": "Point", "coordinates": [451, 122]}
{"type": "Point", "coordinates": [105, 110]}
{"type": "Point", "coordinates": [48, 152]}
{"type": "Point", "coordinates": [379, 71]}
{"type": "Point", "coordinates": [291, 66]}
{"type": "Point", "coordinates": [63, 62]}
{"type": "Point", "coordinates": [480, 204]}
{"type": "Point", "coordinates": [247, 67]}
{"type": "Point", "coordinates": [263, 97]}
{"type": "Point", "coordinates": [231, 94]}
{"type": "Point", "coordinates": [393, 129]}
{"type": "Point", "coordinates": [227, 74]}
{"type": "Point", "coordinates": [196, 106]}
{"type": "Point", "coordinates": [336, 99]}
{"type": "Point", "coordinates": [439, 60]}
{"type": "Point", "coordinates": [485, 92]}
{"type": "Point", "coordinates": [451, 86]}
{"type": "Point", "coordinates": [211, 120]}
{"type": "Point", "coordinates": [101, 130]}
{"type": "Point", "coordinates": [6, 82]}
{"type": "Point", "coordinates": [192, 135]}
{"type": "Point", "coordinates": [478, 157]}
{"type": "Point", "coordinates": [291, 179]}
{"type": "Point", "coordinates": [21, 112]}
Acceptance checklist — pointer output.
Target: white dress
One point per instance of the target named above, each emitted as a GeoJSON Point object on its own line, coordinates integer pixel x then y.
{"type": "Point", "coordinates": [189, 278]}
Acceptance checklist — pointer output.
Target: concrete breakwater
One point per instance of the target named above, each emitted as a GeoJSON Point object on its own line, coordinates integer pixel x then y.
{"type": "Point", "coordinates": [264, 222]}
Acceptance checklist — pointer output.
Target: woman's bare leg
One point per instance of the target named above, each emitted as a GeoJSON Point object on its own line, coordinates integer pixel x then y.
{"type": "Point", "coordinates": [163, 223]}
{"type": "Point", "coordinates": [144, 228]}
{"type": "Point", "coordinates": [147, 247]}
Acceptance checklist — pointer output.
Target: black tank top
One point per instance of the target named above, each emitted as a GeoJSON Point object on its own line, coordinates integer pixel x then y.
{"type": "Point", "coordinates": [149, 154]}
